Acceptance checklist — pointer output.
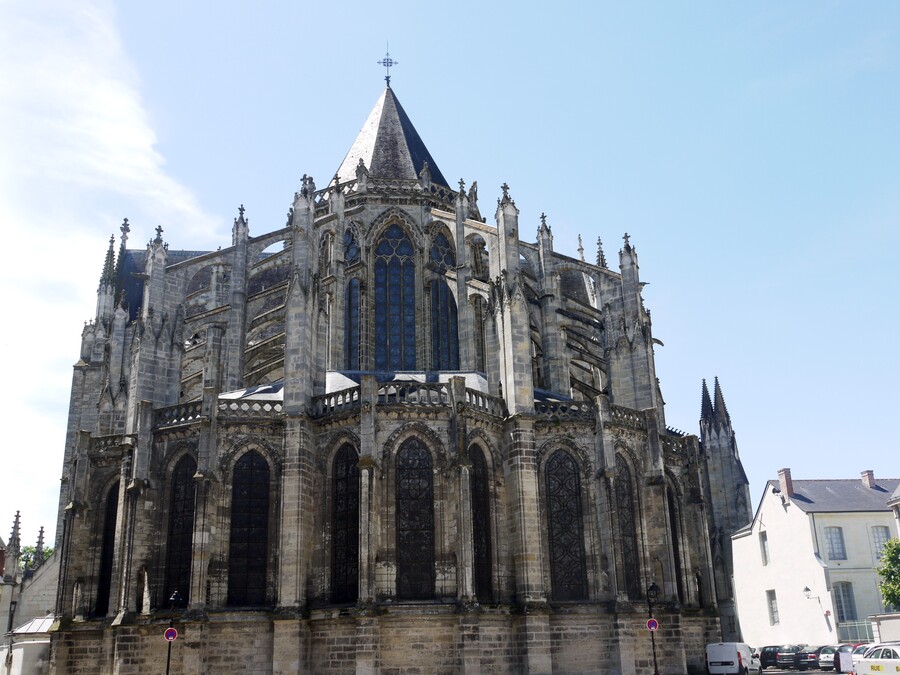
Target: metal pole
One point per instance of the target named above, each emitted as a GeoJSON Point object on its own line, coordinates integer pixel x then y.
{"type": "Point", "coordinates": [173, 600]}
{"type": "Point", "coordinates": [652, 594]}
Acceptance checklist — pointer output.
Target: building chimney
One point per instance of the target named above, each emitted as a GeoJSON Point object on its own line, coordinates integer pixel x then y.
{"type": "Point", "coordinates": [787, 485]}
{"type": "Point", "coordinates": [868, 478]}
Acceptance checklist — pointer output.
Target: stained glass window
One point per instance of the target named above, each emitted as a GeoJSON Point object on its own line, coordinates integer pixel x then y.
{"type": "Point", "coordinates": [415, 522]}
{"type": "Point", "coordinates": [444, 336]}
{"type": "Point", "coordinates": [442, 255]}
{"type": "Point", "coordinates": [107, 550]}
{"type": "Point", "coordinates": [351, 248]}
{"type": "Point", "coordinates": [395, 301]}
{"type": "Point", "coordinates": [627, 528]}
{"type": "Point", "coordinates": [481, 524]}
{"type": "Point", "coordinates": [675, 533]}
{"type": "Point", "coordinates": [568, 571]}
{"type": "Point", "coordinates": [181, 530]}
{"type": "Point", "coordinates": [479, 317]}
{"type": "Point", "coordinates": [351, 326]}
{"type": "Point", "coordinates": [248, 546]}
{"type": "Point", "coordinates": [345, 526]}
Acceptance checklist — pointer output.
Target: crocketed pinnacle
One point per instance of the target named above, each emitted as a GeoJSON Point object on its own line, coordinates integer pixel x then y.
{"type": "Point", "coordinates": [706, 406]}
{"type": "Point", "coordinates": [721, 411]}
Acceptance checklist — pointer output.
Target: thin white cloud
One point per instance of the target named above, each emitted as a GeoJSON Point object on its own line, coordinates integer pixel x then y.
{"type": "Point", "coordinates": [77, 153]}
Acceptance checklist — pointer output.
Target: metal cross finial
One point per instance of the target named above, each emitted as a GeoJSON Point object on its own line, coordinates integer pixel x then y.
{"type": "Point", "coordinates": [505, 189]}
{"type": "Point", "coordinates": [627, 239]}
{"type": "Point", "coordinates": [159, 232]}
{"type": "Point", "coordinates": [125, 229]}
{"type": "Point", "coordinates": [241, 210]}
{"type": "Point", "coordinates": [388, 62]}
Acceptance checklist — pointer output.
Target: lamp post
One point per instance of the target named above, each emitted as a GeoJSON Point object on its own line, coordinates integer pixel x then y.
{"type": "Point", "coordinates": [174, 599]}
{"type": "Point", "coordinates": [652, 596]}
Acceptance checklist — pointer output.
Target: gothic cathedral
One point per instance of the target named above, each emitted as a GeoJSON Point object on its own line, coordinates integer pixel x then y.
{"type": "Point", "coordinates": [386, 437]}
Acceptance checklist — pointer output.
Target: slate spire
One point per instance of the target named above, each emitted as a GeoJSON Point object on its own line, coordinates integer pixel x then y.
{"type": "Point", "coordinates": [108, 276]}
{"type": "Point", "coordinates": [389, 146]}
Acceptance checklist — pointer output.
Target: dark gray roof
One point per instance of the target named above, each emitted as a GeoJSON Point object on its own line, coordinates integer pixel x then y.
{"type": "Point", "coordinates": [830, 496]}
{"type": "Point", "coordinates": [896, 495]}
{"type": "Point", "coordinates": [389, 145]}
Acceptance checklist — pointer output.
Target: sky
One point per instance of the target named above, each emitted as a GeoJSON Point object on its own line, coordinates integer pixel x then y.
{"type": "Point", "coordinates": [750, 150]}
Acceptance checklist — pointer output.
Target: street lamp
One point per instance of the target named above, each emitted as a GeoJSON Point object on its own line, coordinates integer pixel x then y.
{"type": "Point", "coordinates": [652, 596]}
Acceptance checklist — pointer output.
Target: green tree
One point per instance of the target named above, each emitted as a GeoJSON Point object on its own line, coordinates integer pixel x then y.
{"type": "Point", "coordinates": [889, 571]}
{"type": "Point", "coordinates": [28, 557]}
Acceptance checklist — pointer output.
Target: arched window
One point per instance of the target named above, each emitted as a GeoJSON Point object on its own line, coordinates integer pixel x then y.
{"type": "Point", "coordinates": [107, 551]}
{"type": "Point", "coordinates": [248, 546]}
{"type": "Point", "coordinates": [395, 301]}
{"type": "Point", "coordinates": [627, 531]}
{"type": "Point", "coordinates": [181, 530]}
{"type": "Point", "coordinates": [345, 525]}
{"type": "Point", "coordinates": [568, 569]}
{"type": "Point", "coordinates": [481, 525]}
{"type": "Point", "coordinates": [415, 522]}
{"type": "Point", "coordinates": [351, 248]}
{"type": "Point", "coordinates": [478, 315]}
{"type": "Point", "coordinates": [444, 336]}
{"type": "Point", "coordinates": [351, 326]}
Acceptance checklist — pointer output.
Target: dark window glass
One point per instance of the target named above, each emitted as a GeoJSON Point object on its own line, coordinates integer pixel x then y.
{"type": "Point", "coordinates": [351, 248]}
{"type": "Point", "coordinates": [249, 542]}
{"type": "Point", "coordinates": [181, 530]}
{"type": "Point", "coordinates": [627, 530]}
{"type": "Point", "coordinates": [345, 526]}
{"type": "Point", "coordinates": [443, 256]}
{"type": "Point", "coordinates": [395, 302]}
{"type": "Point", "coordinates": [415, 522]}
{"type": "Point", "coordinates": [444, 336]}
{"type": "Point", "coordinates": [107, 550]}
{"type": "Point", "coordinates": [479, 316]}
{"type": "Point", "coordinates": [481, 525]}
{"type": "Point", "coordinates": [351, 337]}
{"type": "Point", "coordinates": [568, 570]}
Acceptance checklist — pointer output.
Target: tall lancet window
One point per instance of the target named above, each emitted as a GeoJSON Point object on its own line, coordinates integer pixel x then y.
{"type": "Point", "coordinates": [351, 326]}
{"type": "Point", "coordinates": [395, 301]}
{"type": "Point", "coordinates": [181, 530]}
{"type": "Point", "coordinates": [415, 522]}
{"type": "Point", "coordinates": [568, 568]}
{"type": "Point", "coordinates": [345, 525]}
{"type": "Point", "coordinates": [624, 489]}
{"type": "Point", "coordinates": [248, 546]}
{"type": "Point", "coordinates": [481, 524]}
{"type": "Point", "coordinates": [444, 335]}
{"type": "Point", "coordinates": [107, 550]}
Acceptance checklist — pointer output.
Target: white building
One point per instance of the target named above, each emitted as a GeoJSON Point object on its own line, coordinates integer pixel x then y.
{"type": "Point", "coordinates": [804, 568]}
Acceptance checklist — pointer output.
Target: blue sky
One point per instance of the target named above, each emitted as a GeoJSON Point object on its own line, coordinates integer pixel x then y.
{"type": "Point", "coordinates": [749, 149]}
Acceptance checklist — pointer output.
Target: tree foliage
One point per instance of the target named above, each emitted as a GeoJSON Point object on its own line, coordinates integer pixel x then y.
{"type": "Point", "coordinates": [889, 571]}
{"type": "Point", "coordinates": [28, 557]}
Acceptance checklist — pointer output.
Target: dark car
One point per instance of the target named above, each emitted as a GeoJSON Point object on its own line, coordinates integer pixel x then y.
{"type": "Point", "coordinates": [768, 656]}
{"type": "Point", "coordinates": [808, 658]}
{"type": "Point", "coordinates": [788, 656]}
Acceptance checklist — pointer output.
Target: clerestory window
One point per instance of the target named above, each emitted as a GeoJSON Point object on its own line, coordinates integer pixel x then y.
{"type": "Point", "coordinates": [395, 301]}
{"type": "Point", "coordinates": [181, 530]}
{"type": "Point", "coordinates": [568, 570]}
{"type": "Point", "coordinates": [248, 546]}
{"type": "Point", "coordinates": [345, 525]}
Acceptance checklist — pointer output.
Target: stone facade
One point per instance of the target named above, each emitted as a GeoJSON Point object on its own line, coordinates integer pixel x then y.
{"type": "Point", "coordinates": [386, 438]}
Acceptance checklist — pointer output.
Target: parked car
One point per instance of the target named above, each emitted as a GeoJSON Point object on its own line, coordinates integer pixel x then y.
{"type": "Point", "coordinates": [882, 659]}
{"type": "Point", "coordinates": [725, 658]}
{"type": "Point", "coordinates": [768, 656]}
{"type": "Point", "coordinates": [843, 649]}
{"type": "Point", "coordinates": [808, 658]}
{"type": "Point", "coordinates": [860, 651]}
{"type": "Point", "coordinates": [788, 656]}
{"type": "Point", "coordinates": [826, 657]}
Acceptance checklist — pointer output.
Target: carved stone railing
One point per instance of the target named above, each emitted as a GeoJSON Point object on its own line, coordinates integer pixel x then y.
{"type": "Point", "coordinates": [414, 393]}
{"type": "Point", "coordinates": [627, 417]}
{"type": "Point", "coordinates": [336, 402]}
{"type": "Point", "coordinates": [492, 405]}
{"type": "Point", "coordinates": [106, 443]}
{"type": "Point", "coordinates": [564, 410]}
{"type": "Point", "coordinates": [386, 186]}
{"type": "Point", "coordinates": [248, 409]}
{"type": "Point", "coordinates": [183, 413]}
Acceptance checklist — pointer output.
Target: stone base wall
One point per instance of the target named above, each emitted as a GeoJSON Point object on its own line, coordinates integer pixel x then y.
{"type": "Point", "coordinates": [430, 639]}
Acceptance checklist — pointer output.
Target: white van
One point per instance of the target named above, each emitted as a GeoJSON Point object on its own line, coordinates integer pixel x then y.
{"type": "Point", "coordinates": [731, 658]}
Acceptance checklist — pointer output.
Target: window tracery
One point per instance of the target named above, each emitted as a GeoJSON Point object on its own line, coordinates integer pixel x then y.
{"type": "Point", "coordinates": [249, 541]}
{"type": "Point", "coordinates": [107, 550]}
{"type": "Point", "coordinates": [568, 568]}
{"type": "Point", "coordinates": [345, 525]}
{"type": "Point", "coordinates": [481, 524]}
{"type": "Point", "coordinates": [415, 521]}
{"type": "Point", "coordinates": [627, 528]}
{"type": "Point", "coordinates": [181, 530]}
{"type": "Point", "coordinates": [395, 301]}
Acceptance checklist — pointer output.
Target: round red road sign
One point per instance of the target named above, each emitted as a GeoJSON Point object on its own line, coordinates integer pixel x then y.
{"type": "Point", "coordinates": [652, 624]}
{"type": "Point", "coordinates": [171, 634]}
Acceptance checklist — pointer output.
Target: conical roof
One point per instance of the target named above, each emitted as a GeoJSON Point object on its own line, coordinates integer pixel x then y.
{"type": "Point", "coordinates": [389, 146]}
